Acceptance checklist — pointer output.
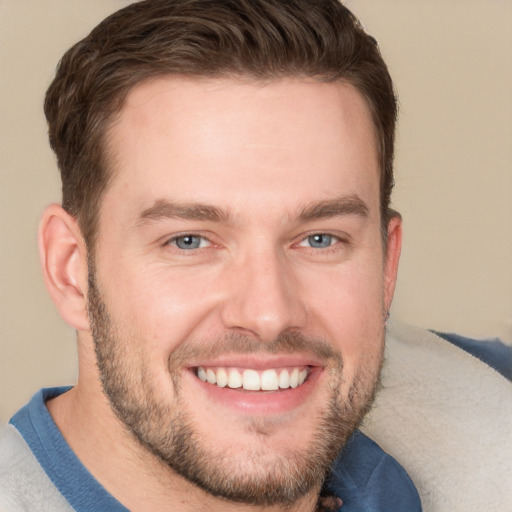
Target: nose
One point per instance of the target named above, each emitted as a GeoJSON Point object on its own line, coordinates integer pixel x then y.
{"type": "Point", "coordinates": [263, 299]}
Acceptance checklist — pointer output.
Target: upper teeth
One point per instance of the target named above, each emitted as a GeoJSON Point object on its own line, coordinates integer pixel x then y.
{"type": "Point", "coordinates": [253, 380]}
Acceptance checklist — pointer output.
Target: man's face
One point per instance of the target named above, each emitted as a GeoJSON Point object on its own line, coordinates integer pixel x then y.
{"type": "Point", "coordinates": [238, 290]}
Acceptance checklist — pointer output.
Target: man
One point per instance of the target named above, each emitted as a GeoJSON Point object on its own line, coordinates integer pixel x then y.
{"type": "Point", "coordinates": [226, 252]}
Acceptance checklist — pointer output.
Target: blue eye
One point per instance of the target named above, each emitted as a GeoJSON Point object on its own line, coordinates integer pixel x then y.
{"type": "Point", "coordinates": [319, 241]}
{"type": "Point", "coordinates": [189, 242]}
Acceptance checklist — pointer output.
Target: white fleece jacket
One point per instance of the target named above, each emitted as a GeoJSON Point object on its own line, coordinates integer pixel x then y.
{"type": "Point", "coordinates": [447, 418]}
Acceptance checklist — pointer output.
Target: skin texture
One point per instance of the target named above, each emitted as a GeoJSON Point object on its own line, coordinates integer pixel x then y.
{"type": "Point", "coordinates": [253, 170]}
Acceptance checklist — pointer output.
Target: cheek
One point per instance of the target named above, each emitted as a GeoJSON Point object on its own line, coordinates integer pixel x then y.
{"type": "Point", "coordinates": [348, 310]}
{"type": "Point", "coordinates": [160, 307]}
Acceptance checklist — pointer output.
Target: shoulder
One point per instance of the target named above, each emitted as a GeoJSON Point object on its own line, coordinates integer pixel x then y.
{"type": "Point", "coordinates": [493, 351]}
{"type": "Point", "coordinates": [17, 462]}
{"type": "Point", "coordinates": [446, 416]}
{"type": "Point", "coordinates": [23, 483]}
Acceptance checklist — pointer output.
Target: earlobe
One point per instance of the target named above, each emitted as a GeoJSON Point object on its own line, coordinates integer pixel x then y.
{"type": "Point", "coordinates": [393, 249]}
{"type": "Point", "coordinates": [63, 257]}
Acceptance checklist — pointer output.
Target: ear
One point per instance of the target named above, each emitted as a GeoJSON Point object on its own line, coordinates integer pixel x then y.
{"type": "Point", "coordinates": [393, 248]}
{"type": "Point", "coordinates": [63, 257]}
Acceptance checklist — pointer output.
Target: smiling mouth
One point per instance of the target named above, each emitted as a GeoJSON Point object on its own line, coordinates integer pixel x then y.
{"type": "Point", "coordinates": [253, 380]}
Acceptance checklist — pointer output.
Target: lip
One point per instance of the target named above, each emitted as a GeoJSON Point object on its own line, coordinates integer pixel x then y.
{"type": "Point", "coordinates": [258, 363]}
{"type": "Point", "coordinates": [256, 402]}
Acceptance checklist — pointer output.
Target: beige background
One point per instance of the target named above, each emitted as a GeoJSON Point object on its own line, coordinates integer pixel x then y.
{"type": "Point", "coordinates": [452, 64]}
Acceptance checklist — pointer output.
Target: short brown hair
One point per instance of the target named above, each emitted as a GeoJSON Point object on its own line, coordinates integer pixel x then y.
{"type": "Point", "coordinates": [260, 39]}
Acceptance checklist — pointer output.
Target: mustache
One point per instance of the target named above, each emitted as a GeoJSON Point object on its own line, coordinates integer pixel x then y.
{"type": "Point", "coordinates": [285, 343]}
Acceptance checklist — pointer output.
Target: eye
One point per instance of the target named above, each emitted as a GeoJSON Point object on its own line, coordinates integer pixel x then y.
{"type": "Point", "coordinates": [319, 241]}
{"type": "Point", "coordinates": [189, 242]}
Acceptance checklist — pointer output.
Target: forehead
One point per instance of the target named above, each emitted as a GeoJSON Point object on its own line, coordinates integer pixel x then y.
{"type": "Point", "coordinates": [210, 140]}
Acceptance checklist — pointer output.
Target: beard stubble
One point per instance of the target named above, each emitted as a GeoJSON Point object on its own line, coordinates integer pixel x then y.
{"type": "Point", "coordinates": [168, 431]}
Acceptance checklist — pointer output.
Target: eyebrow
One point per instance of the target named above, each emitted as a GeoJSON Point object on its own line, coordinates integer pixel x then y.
{"type": "Point", "coordinates": [339, 207]}
{"type": "Point", "coordinates": [163, 209]}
